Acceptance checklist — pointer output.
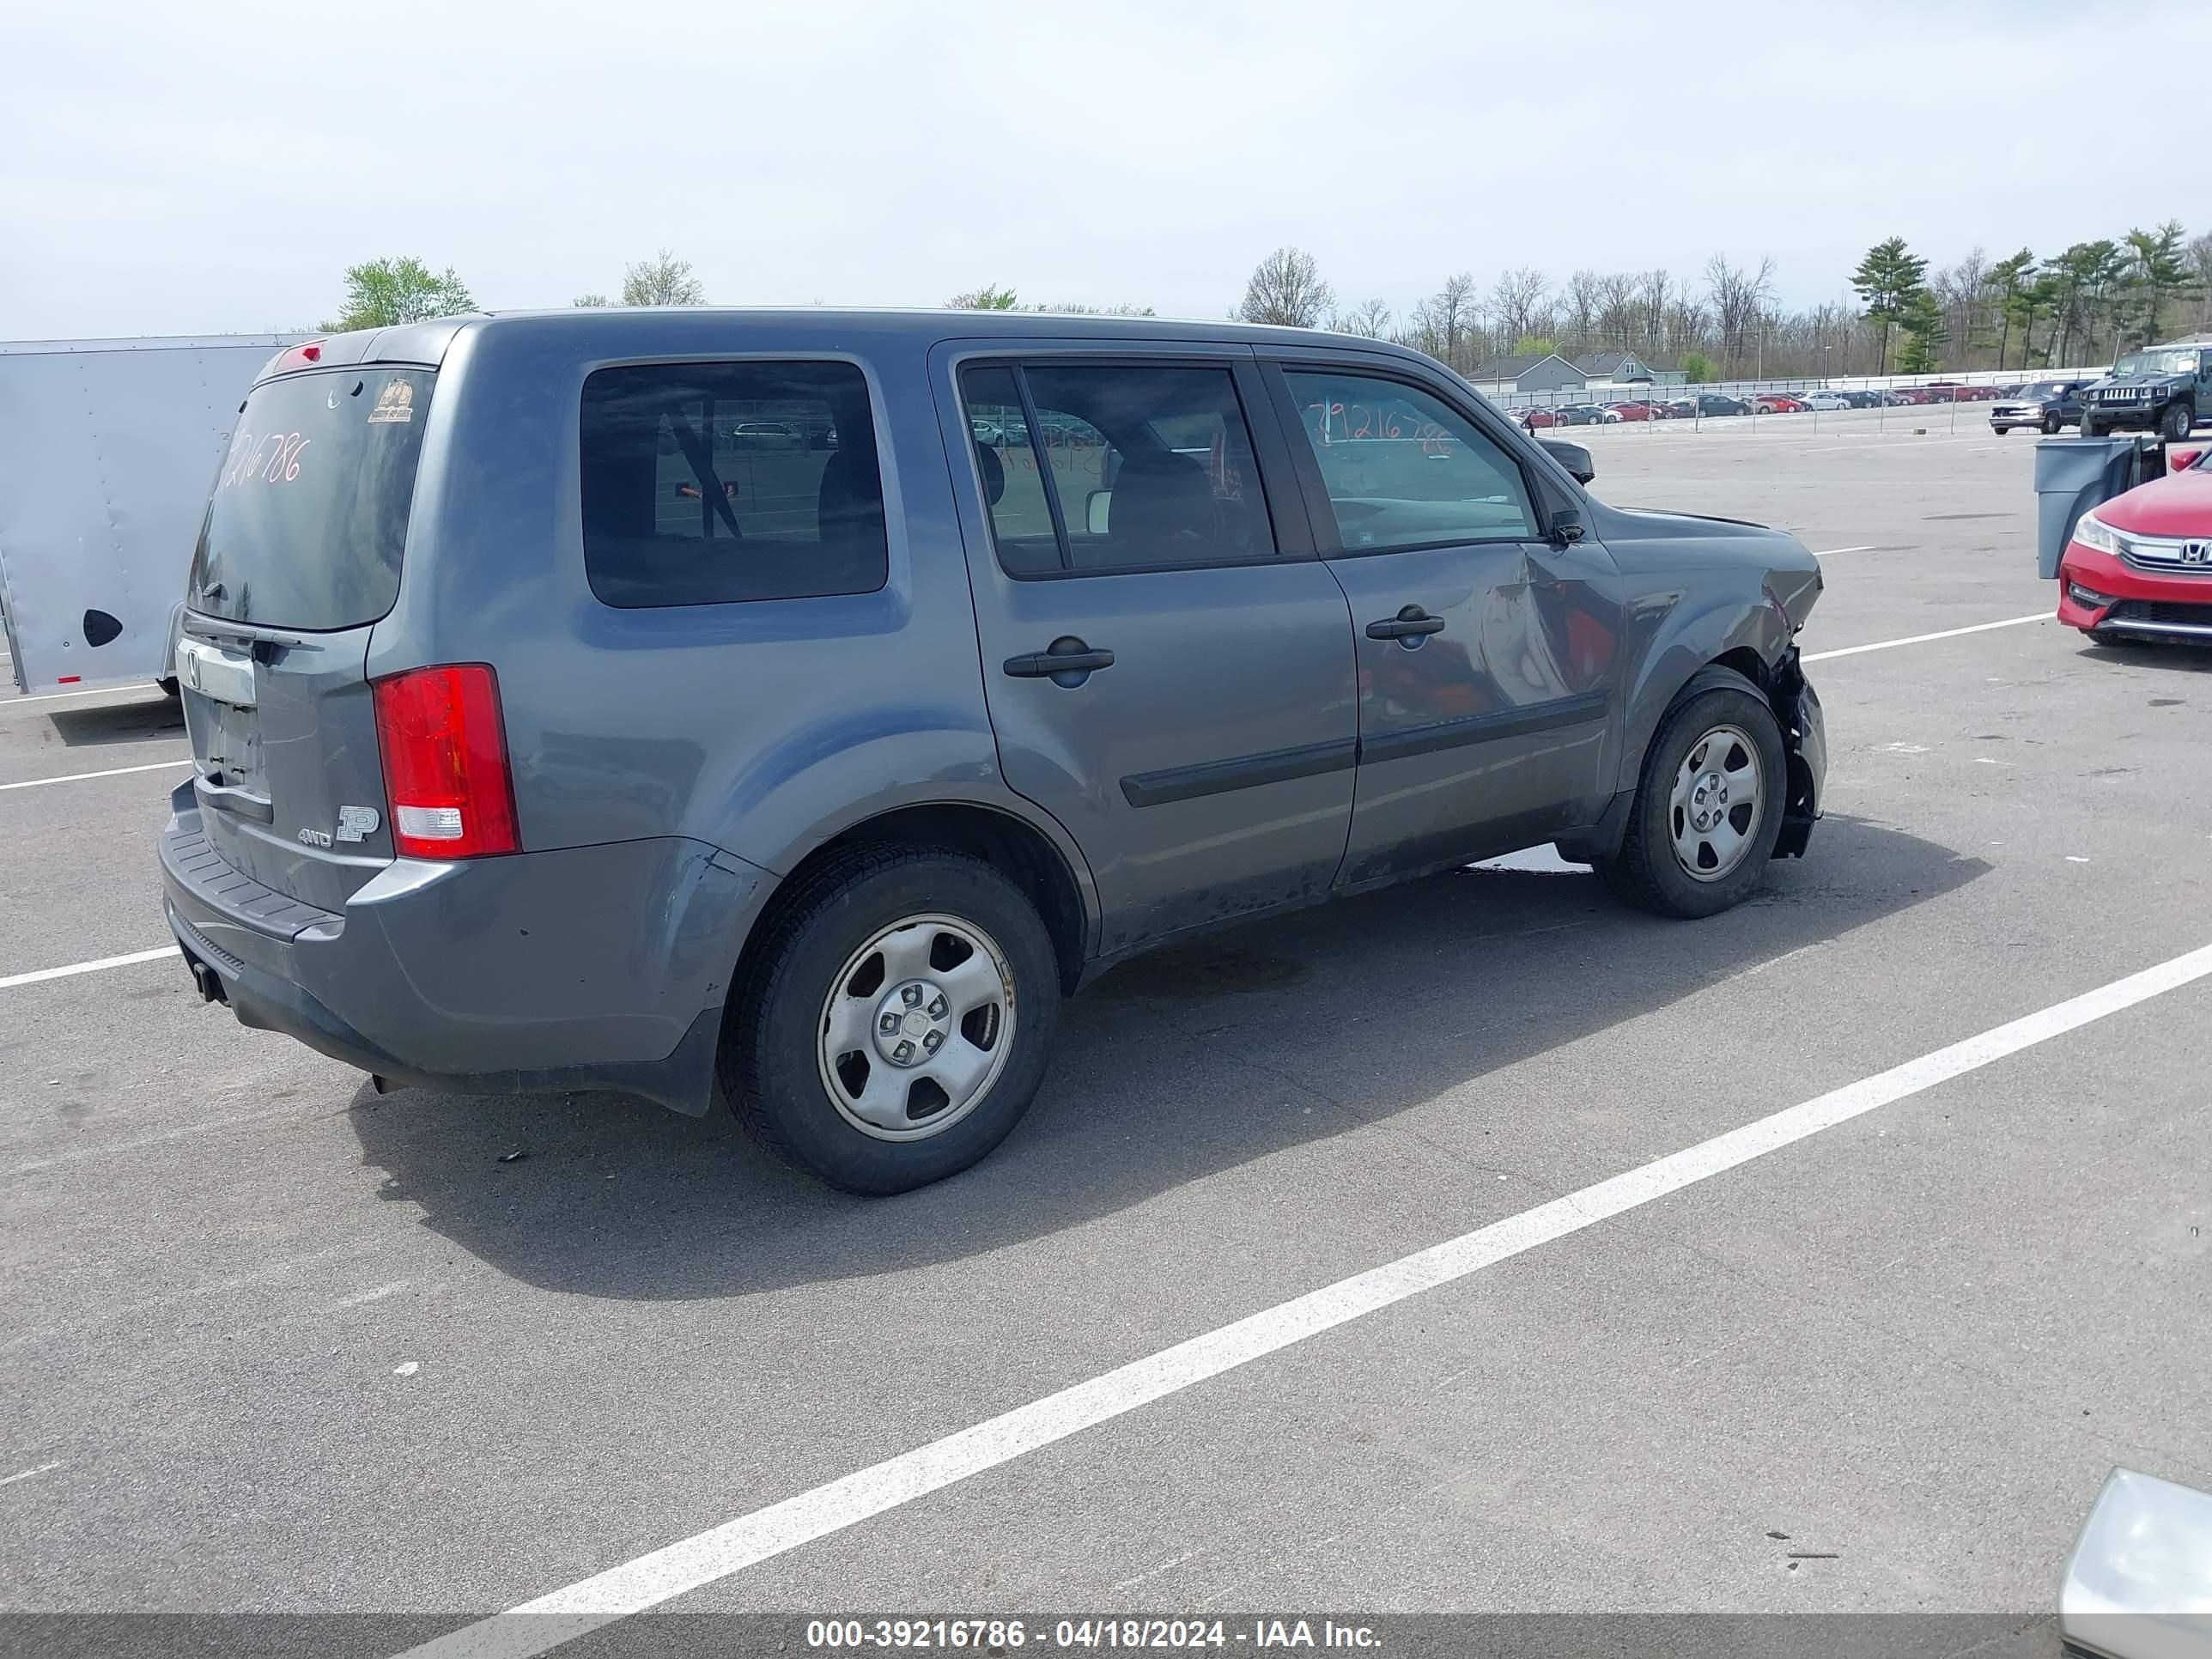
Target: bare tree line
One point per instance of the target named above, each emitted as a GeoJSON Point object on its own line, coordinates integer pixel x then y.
{"type": "Point", "coordinates": [2085, 304]}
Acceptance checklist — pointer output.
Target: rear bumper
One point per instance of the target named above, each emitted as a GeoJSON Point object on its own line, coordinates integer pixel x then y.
{"type": "Point", "coordinates": [2136, 603]}
{"type": "Point", "coordinates": [598, 967]}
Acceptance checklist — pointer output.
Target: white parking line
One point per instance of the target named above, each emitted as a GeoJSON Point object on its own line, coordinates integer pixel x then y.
{"type": "Point", "coordinates": [14, 980]}
{"type": "Point", "coordinates": [1922, 639]}
{"type": "Point", "coordinates": [80, 777]}
{"type": "Point", "coordinates": [1831, 552]}
{"type": "Point", "coordinates": [550, 1619]}
{"type": "Point", "coordinates": [89, 691]}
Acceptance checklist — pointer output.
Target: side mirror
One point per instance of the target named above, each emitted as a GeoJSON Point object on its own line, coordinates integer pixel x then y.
{"type": "Point", "coordinates": [1573, 457]}
{"type": "Point", "coordinates": [1566, 529]}
{"type": "Point", "coordinates": [2139, 1582]}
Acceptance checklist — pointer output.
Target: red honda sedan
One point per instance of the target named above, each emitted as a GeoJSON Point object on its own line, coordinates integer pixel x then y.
{"type": "Point", "coordinates": [2139, 567]}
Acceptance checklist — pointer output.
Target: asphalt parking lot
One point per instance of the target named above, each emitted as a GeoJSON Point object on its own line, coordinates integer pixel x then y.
{"type": "Point", "coordinates": [277, 1344]}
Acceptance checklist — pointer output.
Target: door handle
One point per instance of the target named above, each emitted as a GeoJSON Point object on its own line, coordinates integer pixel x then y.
{"type": "Point", "coordinates": [1411, 624]}
{"type": "Point", "coordinates": [1066, 661]}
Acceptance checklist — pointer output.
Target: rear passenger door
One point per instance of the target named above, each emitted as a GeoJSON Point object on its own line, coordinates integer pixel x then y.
{"type": "Point", "coordinates": [1167, 666]}
{"type": "Point", "coordinates": [1487, 654]}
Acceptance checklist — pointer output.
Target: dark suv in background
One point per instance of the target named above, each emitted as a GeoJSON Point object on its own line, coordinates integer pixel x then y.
{"type": "Point", "coordinates": [2162, 389]}
{"type": "Point", "coordinates": [787, 708]}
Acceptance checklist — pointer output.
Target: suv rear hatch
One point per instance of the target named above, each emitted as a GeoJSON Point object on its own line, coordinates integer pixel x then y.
{"type": "Point", "coordinates": [299, 557]}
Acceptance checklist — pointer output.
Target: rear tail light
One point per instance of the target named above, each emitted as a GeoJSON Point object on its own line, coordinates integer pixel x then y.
{"type": "Point", "coordinates": [445, 763]}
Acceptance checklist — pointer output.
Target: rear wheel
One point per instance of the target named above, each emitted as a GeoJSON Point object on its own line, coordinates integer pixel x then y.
{"type": "Point", "coordinates": [896, 1023]}
{"type": "Point", "coordinates": [1709, 804]}
{"type": "Point", "coordinates": [2002, 431]}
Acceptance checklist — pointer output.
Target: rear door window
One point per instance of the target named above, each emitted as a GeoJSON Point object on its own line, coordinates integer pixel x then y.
{"type": "Point", "coordinates": [1403, 469]}
{"type": "Point", "coordinates": [1094, 468]}
{"type": "Point", "coordinates": [308, 519]}
{"type": "Point", "coordinates": [711, 484]}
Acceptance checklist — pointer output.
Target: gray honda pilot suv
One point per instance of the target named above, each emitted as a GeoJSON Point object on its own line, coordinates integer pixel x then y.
{"type": "Point", "coordinates": [789, 707]}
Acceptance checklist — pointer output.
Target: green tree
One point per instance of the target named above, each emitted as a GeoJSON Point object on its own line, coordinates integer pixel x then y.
{"type": "Point", "coordinates": [1921, 321]}
{"type": "Point", "coordinates": [663, 280]}
{"type": "Point", "coordinates": [384, 292]}
{"type": "Point", "coordinates": [2039, 299]}
{"type": "Point", "coordinates": [1698, 369]}
{"type": "Point", "coordinates": [589, 300]}
{"type": "Point", "coordinates": [2008, 280]}
{"type": "Point", "coordinates": [1534, 345]}
{"type": "Point", "coordinates": [989, 297]}
{"type": "Point", "coordinates": [2086, 274]}
{"type": "Point", "coordinates": [2158, 268]}
{"type": "Point", "coordinates": [1886, 280]}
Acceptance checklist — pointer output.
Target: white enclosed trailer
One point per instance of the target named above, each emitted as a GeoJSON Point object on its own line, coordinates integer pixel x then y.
{"type": "Point", "coordinates": [108, 452]}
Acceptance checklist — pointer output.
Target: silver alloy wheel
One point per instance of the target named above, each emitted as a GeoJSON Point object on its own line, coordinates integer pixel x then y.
{"type": "Point", "coordinates": [1714, 806]}
{"type": "Point", "coordinates": [916, 1027]}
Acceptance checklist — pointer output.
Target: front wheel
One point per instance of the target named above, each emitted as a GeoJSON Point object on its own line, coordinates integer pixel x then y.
{"type": "Point", "coordinates": [1708, 803]}
{"type": "Point", "coordinates": [2050, 426]}
{"type": "Point", "coordinates": [2089, 428]}
{"type": "Point", "coordinates": [2175, 421]}
{"type": "Point", "coordinates": [897, 1023]}
{"type": "Point", "coordinates": [2002, 431]}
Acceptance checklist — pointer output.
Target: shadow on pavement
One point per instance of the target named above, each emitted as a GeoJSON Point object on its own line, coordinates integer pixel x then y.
{"type": "Point", "coordinates": [2181, 659]}
{"type": "Point", "coordinates": [1174, 1066]}
{"type": "Point", "coordinates": [129, 722]}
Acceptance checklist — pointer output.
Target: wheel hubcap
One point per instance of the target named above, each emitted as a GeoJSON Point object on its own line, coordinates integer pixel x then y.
{"type": "Point", "coordinates": [1715, 805]}
{"type": "Point", "coordinates": [916, 1027]}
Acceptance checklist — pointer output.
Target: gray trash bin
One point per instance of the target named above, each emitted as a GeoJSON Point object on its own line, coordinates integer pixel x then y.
{"type": "Point", "coordinates": [2072, 475]}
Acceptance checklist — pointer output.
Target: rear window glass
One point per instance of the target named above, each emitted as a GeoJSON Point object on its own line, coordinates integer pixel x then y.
{"type": "Point", "coordinates": [705, 483]}
{"type": "Point", "coordinates": [309, 514]}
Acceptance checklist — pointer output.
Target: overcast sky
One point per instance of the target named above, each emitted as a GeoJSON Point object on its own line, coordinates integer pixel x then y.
{"type": "Point", "coordinates": [188, 168]}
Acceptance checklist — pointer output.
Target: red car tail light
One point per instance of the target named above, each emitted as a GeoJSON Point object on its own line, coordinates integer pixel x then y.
{"type": "Point", "coordinates": [445, 771]}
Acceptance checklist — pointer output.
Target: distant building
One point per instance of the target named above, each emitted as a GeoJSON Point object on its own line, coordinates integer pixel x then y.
{"type": "Point", "coordinates": [1627, 368]}
{"type": "Point", "coordinates": [1543, 372]}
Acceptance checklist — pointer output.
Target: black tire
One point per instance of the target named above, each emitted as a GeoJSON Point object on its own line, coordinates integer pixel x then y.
{"type": "Point", "coordinates": [770, 1062]}
{"type": "Point", "coordinates": [170, 689]}
{"type": "Point", "coordinates": [2052, 424]}
{"type": "Point", "coordinates": [1646, 873]}
{"type": "Point", "coordinates": [2002, 431]}
{"type": "Point", "coordinates": [2089, 425]}
{"type": "Point", "coordinates": [2176, 421]}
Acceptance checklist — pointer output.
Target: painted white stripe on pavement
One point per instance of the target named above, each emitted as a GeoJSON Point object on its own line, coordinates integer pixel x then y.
{"type": "Point", "coordinates": [89, 691]}
{"type": "Point", "coordinates": [1922, 639]}
{"type": "Point", "coordinates": [14, 980]}
{"type": "Point", "coordinates": [563, 1614]}
{"type": "Point", "coordinates": [1830, 552]}
{"type": "Point", "coordinates": [80, 777]}
{"type": "Point", "coordinates": [25, 1474]}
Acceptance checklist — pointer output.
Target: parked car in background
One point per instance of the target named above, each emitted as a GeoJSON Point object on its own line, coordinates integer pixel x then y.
{"type": "Point", "coordinates": [2047, 405]}
{"type": "Point", "coordinates": [1825, 400]}
{"type": "Point", "coordinates": [1636, 409]}
{"type": "Point", "coordinates": [2138, 568]}
{"type": "Point", "coordinates": [1712, 403]}
{"type": "Point", "coordinates": [1580, 414]}
{"type": "Point", "coordinates": [2166, 389]}
{"type": "Point", "coordinates": [1533, 419]}
{"type": "Point", "coordinates": [513, 774]}
{"type": "Point", "coordinates": [1777, 403]}
{"type": "Point", "coordinates": [1861, 397]}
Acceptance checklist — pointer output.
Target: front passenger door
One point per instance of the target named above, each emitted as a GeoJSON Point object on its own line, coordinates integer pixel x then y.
{"type": "Point", "coordinates": [1486, 655]}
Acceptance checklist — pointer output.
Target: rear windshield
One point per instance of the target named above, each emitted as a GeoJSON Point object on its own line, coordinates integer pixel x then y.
{"type": "Point", "coordinates": [309, 513]}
